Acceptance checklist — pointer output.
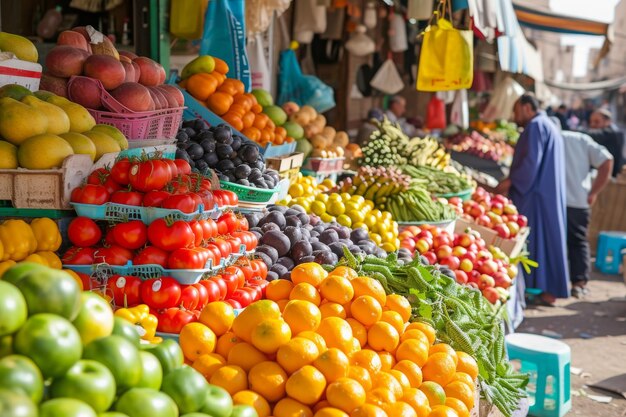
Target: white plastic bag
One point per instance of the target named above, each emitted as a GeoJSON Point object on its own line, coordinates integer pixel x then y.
{"type": "Point", "coordinates": [259, 69]}
{"type": "Point", "coordinates": [387, 79]}
{"type": "Point", "coordinates": [369, 17]}
{"type": "Point", "coordinates": [459, 113]}
{"type": "Point", "coordinates": [259, 14]}
{"type": "Point", "coordinates": [502, 100]}
{"type": "Point", "coordinates": [309, 19]}
{"type": "Point", "coordinates": [420, 9]}
{"type": "Point", "coordinates": [397, 34]}
{"type": "Point", "coordinates": [359, 43]}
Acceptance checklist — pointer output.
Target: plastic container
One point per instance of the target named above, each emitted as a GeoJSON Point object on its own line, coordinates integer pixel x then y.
{"type": "Point", "coordinates": [122, 212]}
{"type": "Point", "coordinates": [166, 151]}
{"type": "Point", "coordinates": [447, 225]}
{"type": "Point", "coordinates": [323, 165]}
{"type": "Point", "coordinates": [250, 194]}
{"type": "Point", "coordinates": [464, 195]}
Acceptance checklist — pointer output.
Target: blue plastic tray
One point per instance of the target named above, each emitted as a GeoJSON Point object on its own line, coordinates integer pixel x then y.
{"type": "Point", "coordinates": [122, 212]}
{"type": "Point", "coordinates": [167, 151]}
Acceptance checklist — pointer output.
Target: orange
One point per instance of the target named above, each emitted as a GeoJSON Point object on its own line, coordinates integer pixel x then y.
{"type": "Point", "coordinates": [366, 310]}
{"type": "Point", "coordinates": [330, 412]}
{"type": "Point", "coordinates": [309, 272]}
{"type": "Point", "coordinates": [278, 289]}
{"type": "Point", "coordinates": [434, 392]}
{"type": "Point", "coordinates": [402, 379]}
{"type": "Point", "coordinates": [230, 377]}
{"type": "Point", "coordinates": [367, 359]}
{"type": "Point", "coordinates": [233, 119]}
{"type": "Point", "coordinates": [425, 328]}
{"type": "Point", "coordinates": [245, 356]}
{"type": "Point", "coordinates": [337, 289]}
{"type": "Point", "coordinates": [288, 407]}
{"type": "Point", "coordinates": [383, 336]}
{"type": "Point", "coordinates": [237, 109]}
{"type": "Point", "coordinates": [268, 379]}
{"type": "Point", "coordinates": [254, 400]}
{"type": "Point", "coordinates": [418, 400]}
{"type": "Point", "coordinates": [201, 86]}
{"type": "Point", "coordinates": [342, 271]}
{"type": "Point", "coordinates": [219, 102]}
{"type": "Point", "coordinates": [320, 404]}
{"type": "Point", "coordinates": [232, 86]}
{"type": "Point", "coordinates": [393, 318]}
{"type": "Point", "coordinates": [467, 364]}
{"type": "Point", "coordinates": [333, 364]}
{"type": "Point", "coordinates": [332, 310]}
{"type": "Point", "coordinates": [301, 315]}
{"type": "Point", "coordinates": [415, 334]}
{"type": "Point", "coordinates": [442, 411]}
{"type": "Point", "coordinates": [315, 338]}
{"type": "Point", "coordinates": [252, 133]}
{"type": "Point", "coordinates": [345, 394]}
{"type": "Point", "coordinates": [400, 409]}
{"type": "Point", "coordinates": [218, 316]}
{"type": "Point", "coordinates": [260, 121]}
{"type": "Point", "coordinates": [413, 350]}
{"type": "Point", "coordinates": [195, 340]}
{"type": "Point", "coordinates": [443, 347]}
{"type": "Point", "coordinates": [463, 377]}
{"type": "Point", "coordinates": [244, 100]}
{"type": "Point", "coordinates": [255, 313]}
{"type": "Point", "coordinates": [336, 332]}
{"type": "Point", "coordinates": [282, 304]}
{"type": "Point", "coordinates": [256, 109]}
{"type": "Point", "coordinates": [361, 376]}
{"type": "Point", "coordinates": [354, 348]}
{"type": "Point", "coordinates": [208, 364]}
{"type": "Point", "coordinates": [359, 332]}
{"type": "Point", "coordinates": [306, 385]}
{"type": "Point", "coordinates": [460, 391]}
{"type": "Point", "coordinates": [439, 367]}
{"type": "Point", "coordinates": [225, 343]}
{"type": "Point", "coordinates": [399, 304]}
{"type": "Point", "coordinates": [388, 361]}
{"type": "Point", "coordinates": [305, 291]}
{"type": "Point", "coordinates": [368, 410]}
{"type": "Point", "coordinates": [269, 335]}
{"type": "Point", "coordinates": [412, 372]}
{"type": "Point", "coordinates": [380, 397]}
{"type": "Point", "coordinates": [458, 406]}
{"type": "Point", "coordinates": [386, 380]}
{"type": "Point", "coordinates": [369, 286]}
{"type": "Point", "coordinates": [296, 353]}
{"type": "Point", "coordinates": [220, 66]}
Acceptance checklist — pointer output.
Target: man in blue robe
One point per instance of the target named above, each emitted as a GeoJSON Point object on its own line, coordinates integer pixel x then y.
{"type": "Point", "coordinates": [537, 186]}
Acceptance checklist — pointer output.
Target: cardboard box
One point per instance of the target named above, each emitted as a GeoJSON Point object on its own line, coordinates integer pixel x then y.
{"type": "Point", "coordinates": [285, 163]}
{"type": "Point", "coordinates": [511, 247]}
{"type": "Point", "coordinates": [488, 235]}
{"type": "Point", "coordinates": [16, 71]}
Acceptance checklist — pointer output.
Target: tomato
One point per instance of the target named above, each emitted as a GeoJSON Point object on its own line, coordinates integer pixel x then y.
{"type": "Point", "coordinates": [223, 246]}
{"type": "Point", "coordinates": [120, 171]}
{"type": "Point", "coordinates": [180, 185]}
{"type": "Point", "coordinates": [189, 297]}
{"type": "Point", "coordinates": [241, 277]}
{"type": "Point", "coordinates": [221, 285]}
{"type": "Point", "coordinates": [206, 196]}
{"type": "Point", "coordinates": [231, 221]}
{"type": "Point", "coordinates": [217, 255]}
{"type": "Point", "coordinates": [113, 255]}
{"type": "Point", "coordinates": [244, 226]}
{"type": "Point", "coordinates": [248, 239]}
{"type": "Point", "coordinates": [128, 198]}
{"type": "Point", "coordinates": [98, 176]}
{"type": "Point", "coordinates": [151, 255]}
{"type": "Point", "coordinates": [109, 239]}
{"type": "Point", "coordinates": [213, 290]}
{"type": "Point", "coordinates": [182, 202]}
{"type": "Point", "coordinates": [174, 319]}
{"type": "Point", "coordinates": [170, 235]}
{"type": "Point", "coordinates": [209, 228]}
{"type": "Point", "coordinates": [79, 256]}
{"type": "Point", "coordinates": [259, 268]}
{"type": "Point", "coordinates": [83, 231]}
{"type": "Point", "coordinates": [244, 298]}
{"type": "Point", "coordinates": [247, 270]}
{"type": "Point", "coordinates": [130, 235]}
{"type": "Point", "coordinates": [183, 166]}
{"type": "Point", "coordinates": [232, 283]}
{"type": "Point", "coordinates": [185, 258]}
{"type": "Point", "coordinates": [225, 198]}
{"type": "Point", "coordinates": [89, 283]}
{"type": "Point", "coordinates": [90, 194]}
{"type": "Point", "coordinates": [203, 295]}
{"type": "Point", "coordinates": [256, 292]}
{"type": "Point", "coordinates": [234, 304]}
{"type": "Point", "coordinates": [150, 175]}
{"type": "Point", "coordinates": [258, 283]}
{"type": "Point", "coordinates": [155, 198]}
{"type": "Point", "coordinates": [125, 290]}
{"type": "Point", "coordinates": [160, 293]}
{"type": "Point", "coordinates": [172, 166]}
{"type": "Point", "coordinates": [235, 244]}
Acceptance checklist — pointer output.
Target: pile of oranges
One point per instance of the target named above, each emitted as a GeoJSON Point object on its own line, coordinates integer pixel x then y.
{"type": "Point", "coordinates": [227, 98]}
{"type": "Point", "coordinates": [330, 345]}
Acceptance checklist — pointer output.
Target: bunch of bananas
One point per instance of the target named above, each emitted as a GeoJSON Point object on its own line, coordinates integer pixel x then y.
{"type": "Point", "coordinates": [427, 152]}
{"type": "Point", "coordinates": [376, 184]}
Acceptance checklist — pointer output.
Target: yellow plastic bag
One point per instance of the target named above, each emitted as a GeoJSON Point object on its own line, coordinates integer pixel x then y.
{"type": "Point", "coordinates": [446, 59]}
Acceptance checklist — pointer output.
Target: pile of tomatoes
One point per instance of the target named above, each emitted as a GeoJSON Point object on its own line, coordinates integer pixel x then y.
{"type": "Point", "coordinates": [152, 182]}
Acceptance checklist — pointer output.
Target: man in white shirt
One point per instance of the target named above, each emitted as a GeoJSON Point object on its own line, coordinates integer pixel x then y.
{"type": "Point", "coordinates": [395, 113]}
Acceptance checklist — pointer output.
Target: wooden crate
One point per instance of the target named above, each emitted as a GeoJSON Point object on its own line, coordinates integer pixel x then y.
{"type": "Point", "coordinates": [511, 247]}
{"type": "Point", "coordinates": [48, 189]}
{"type": "Point", "coordinates": [608, 213]}
{"type": "Point", "coordinates": [285, 163]}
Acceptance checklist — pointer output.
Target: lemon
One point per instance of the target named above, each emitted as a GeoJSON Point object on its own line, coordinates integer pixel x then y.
{"type": "Point", "coordinates": [387, 216]}
{"type": "Point", "coordinates": [352, 205]}
{"type": "Point", "coordinates": [296, 190]}
{"type": "Point", "coordinates": [369, 203]}
{"type": "Point", "coordinates": [355, 215]}
{"type": "Point", "coordinates": [319, 208]}
{"type": "Point", "coordinates": [322, 197]}
{"type": "Point", "coordinates": [388, 247]}
{"type": "Point", "coordinates": [327, 218]}
{"type": "Point", "coordinates": [328, 183]}
{"type": "Point", "coordinates": [389, 237]}
{"type": "Point", "coordinates": [376, 238]}
{"type": "Point", "coordinates": [370, 220]}
{"type": "Point", "coordinates": [308, 190]}
{"type": "Point", "coordinates": [282, 203]}
{"type": "Point", "coordinates": [335, 196]}
{"type": "Point", "coordinates": [306, 206]}
{"type": "Point", "coordinates": [359, 225]}
{"type": "Point", "coordinates": [336, 208]}
{"type": "Point", "coordinates": [346, 196]}
{"type": "Point", "coordinates": [358, 199]}
{"type": "Point", "coordinates": [344, 220]}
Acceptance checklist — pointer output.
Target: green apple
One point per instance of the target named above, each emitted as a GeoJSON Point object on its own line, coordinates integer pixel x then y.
{"type": "Point", "coordinates": [146, 402]}
{"type": "Point", "coordinates": [151, 371]}
{"type": "Point", "coordinates": [65, 407]}
{"type": "Point", "coordinates": [187, 387]}
{"type": "Point", "coordinates": [95, 318]}
{"type": "Point", "coordinates": [120, 356]}
{"type": "Point", "coordinates": [122, 327]}
{"type": "Point", "coordinates": [50, 291]}
{"type": "Point", "coordinates": [13, 311]}
{"type": "Point", "coordinates": [19, 373]}
{"type": "Point", "coordinates": [89, 381]}
{"type": "Point", "coordinates": [15, 404]}
{"type": "Point", "coordinates": [218, 402]}
{"type": "Point", "coordinates": [244, 411]}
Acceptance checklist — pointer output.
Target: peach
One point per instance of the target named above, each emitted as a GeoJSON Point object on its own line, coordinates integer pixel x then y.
{"type": "Point", "coordinates": [128, 54]}
{"type": "Point", "coordinates": [134, 96]}
{"type": "Point", "coordinates": [129, 68]}
{"type": "Point", "coordinates": [75, 39]}
{"type": "Point", "coordinates": [162, 74]}
{"type": "Point", "coordinates": [160, 102]}
{"type": "Point", "coordinates": [86, 92]}
{"type": "Point", "coordinates": [65, 61]}
{"type": "Point", "coordinates": [149, 73]}
{"type": "Point", "coordinates": [174, 93]}
{"type": "Point", "coordinates": [83, 31]}
{"type": "Point", "coordinates": [56, 85]}
{"type": "Point", "coordinates": [105, 68]}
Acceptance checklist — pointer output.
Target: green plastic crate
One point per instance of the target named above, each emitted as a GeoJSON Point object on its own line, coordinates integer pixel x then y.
{"type": "Point", "coordinates": [249, 194]}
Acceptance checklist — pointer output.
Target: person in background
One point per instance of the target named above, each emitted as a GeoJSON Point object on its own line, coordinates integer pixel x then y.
{"type": "Point", "coordinates": [603, 131]}
{"type": "Point", "coordinates": [395, 113]}
{"type": "Point", "coordinates": [369, 126]}
{"type": "Point", "coordinates": [583, 155]}
{"type": "Point", "coordinates": [536, 184]}
{"type": "Point", "coordinates": [561, 114]}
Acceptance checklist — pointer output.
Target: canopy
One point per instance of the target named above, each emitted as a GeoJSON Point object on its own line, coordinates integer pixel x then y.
{"type": "Point", "coordinates": [552, 22]}
{"type": "Point", "coordinates": [594, 86]}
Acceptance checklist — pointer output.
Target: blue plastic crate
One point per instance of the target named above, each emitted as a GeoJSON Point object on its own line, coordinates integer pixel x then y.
{"type": "Point", "coordinates": [166, 151]}
{"type": "Point", "coordinates": [122, 212]}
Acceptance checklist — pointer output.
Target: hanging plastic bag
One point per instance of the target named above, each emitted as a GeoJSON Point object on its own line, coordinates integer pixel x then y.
{"type": "Point", "coordinates": [259, 69]}
{"type": "Point", "coordinates": [259, 14]}
{"type": "Point", "coordinates": [420, 9]}
{"type": "Point", "coordinates": [224, 37]}
{"type": "Point", "coordinates": [359, 43]}
{"type": "Point", "coordinates": [387, 78]}
{"type": "Point", "coordinates": [447, 56]}
{"type": "Point", "coordinates": [436, 114]}
{"type": "Point", "coordinates": [187, 18]}
{"type": "Point", "coordinates": [397, 34]}
{"type": "Point", "coordinates": [369, 17]}
{"type": "Point", "coordinates": [299, 88]}
{"type": "Point", "coordinates": [502, 100]}
{"type": "Point", "coordinates": [309, 19]}
{"type": "Point", "coordinates": [459, 113]}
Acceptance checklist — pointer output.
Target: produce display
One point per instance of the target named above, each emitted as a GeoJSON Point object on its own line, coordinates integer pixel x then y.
{"type": "Point", "coordinates": [477, 145]}
{"type": "Point", "coordinates": [334, 344]}
{"type": "Point", "coordinates": [436, 181]}
{"type": "Point", "coordinates": [234, 158]}
{"type": "Point", "coordinates": [493, 211]}
{"type": "Point", "coordinates": [502, 130]}
{"type": "Point", "coordinates": [71, 356]}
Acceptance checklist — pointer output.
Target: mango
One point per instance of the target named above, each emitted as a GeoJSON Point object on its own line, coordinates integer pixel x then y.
{"type": "Point", "coordinates": [80, 119]}
{"type": "Point", "coordinates": [19, 45]}
{"type": "Point", "coordinates": [19, 121]}
{"type": "Point", "coordinates": [103, 142]}
{"type": "Point", "coordinates": [8, 155]}
{"type": "Point", "coordinates": [81, 144]}
{"type": "Point", "coordinates": [58, 121]}
{"type": "Point", "coordinates": [204, 63]}
{"type": "Point", "coordinates": [43, 152]}
{"type": "Point", "coordinates": [114, 132]}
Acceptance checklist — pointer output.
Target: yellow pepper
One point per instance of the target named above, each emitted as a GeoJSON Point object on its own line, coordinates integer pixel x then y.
{"type": "Point", "coordinates": [4, 266]}
{"type": "Point", "coordinates": [140, 316]}
{"type": "Point", "coordinates": [18, 240]}
{"type": "Point", "coordinates": [46, 234]}
{"type": "Point", "coordinates": [35, 258]}
{"type": "Point", "coordinates": [53, 260]}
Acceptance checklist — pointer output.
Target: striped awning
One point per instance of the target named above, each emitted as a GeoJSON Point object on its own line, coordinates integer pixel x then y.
{"type": "Point", "coordinates": [552, 22]}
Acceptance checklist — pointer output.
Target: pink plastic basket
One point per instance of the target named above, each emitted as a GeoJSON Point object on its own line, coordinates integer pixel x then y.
{"type": "Point", "coordinates": [158, 124]}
